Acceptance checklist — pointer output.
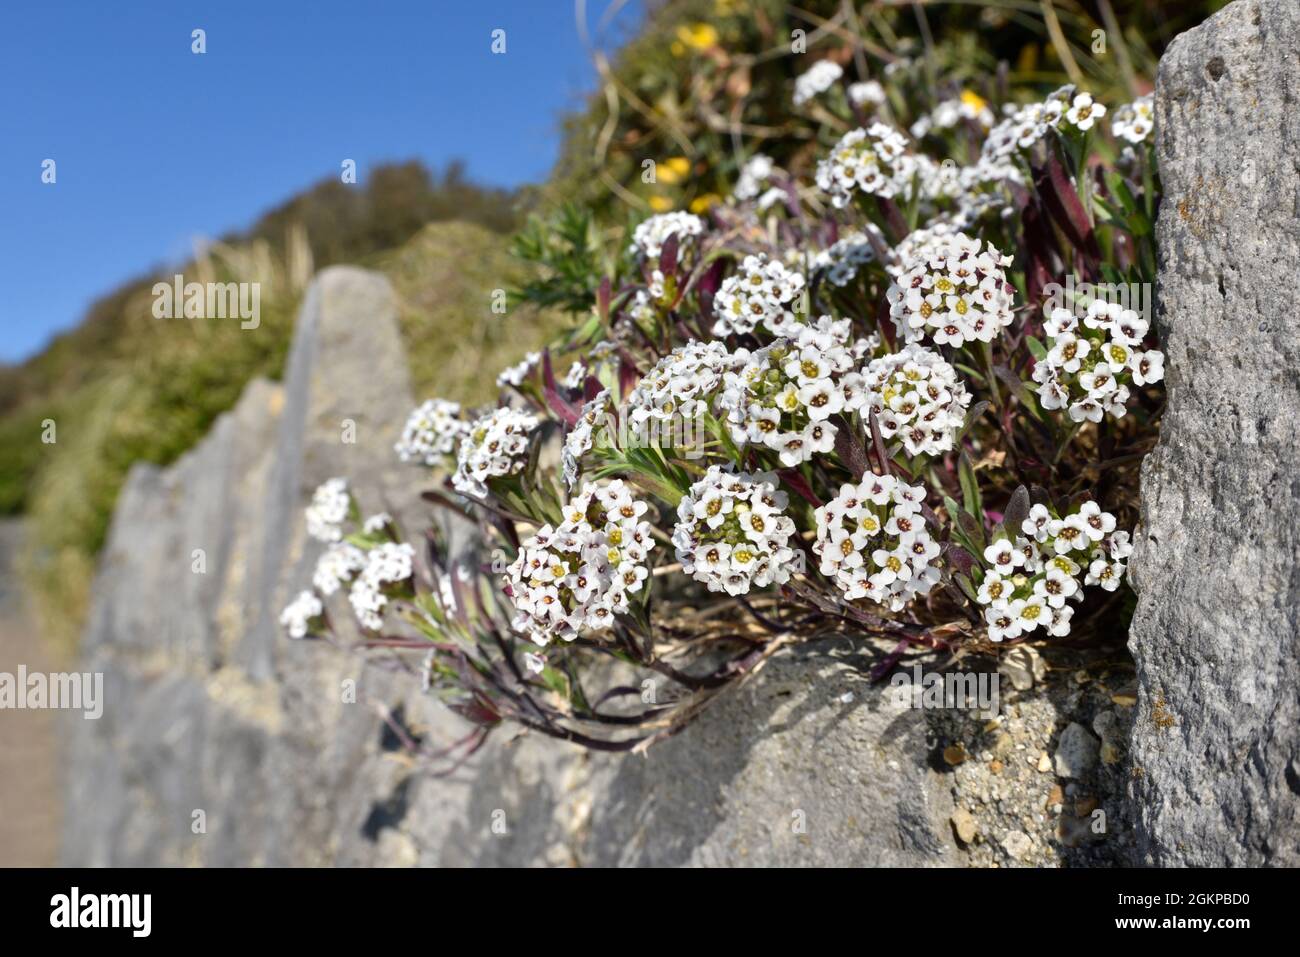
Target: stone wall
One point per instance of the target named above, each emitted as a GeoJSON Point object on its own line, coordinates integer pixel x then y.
{"type": "Point", "coordinates": [209, 707]}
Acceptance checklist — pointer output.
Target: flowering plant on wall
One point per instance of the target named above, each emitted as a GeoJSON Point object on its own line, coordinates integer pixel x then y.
{"type": "Point", "coordinates": [896, 391]}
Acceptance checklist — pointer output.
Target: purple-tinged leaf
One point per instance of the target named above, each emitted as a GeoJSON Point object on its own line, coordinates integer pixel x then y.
{"type": "Point", "coordinates": [849, 448]}
{"type": "Point", "coordinates": [562, 409]}
{"type": "Point", "coordinates": [1017, 510]}
{"type": "Point", "coordinates": [792, 478]}
{"type": "Point", "coordinates": [668, 256]}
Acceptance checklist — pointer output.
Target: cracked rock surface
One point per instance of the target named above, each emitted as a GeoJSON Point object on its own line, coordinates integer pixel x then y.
{"type": "Point", "coordinates": [1216, 741]}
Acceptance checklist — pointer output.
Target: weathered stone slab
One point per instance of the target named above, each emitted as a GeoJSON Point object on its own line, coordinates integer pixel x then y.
{"type": "Point", "coordinates": [209, 707]}
{"type": "Point", "coordinates": [1216, 745]}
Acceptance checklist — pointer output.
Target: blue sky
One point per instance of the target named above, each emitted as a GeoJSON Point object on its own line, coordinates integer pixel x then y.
{"type": "Point", "coordinates": [156, 145]}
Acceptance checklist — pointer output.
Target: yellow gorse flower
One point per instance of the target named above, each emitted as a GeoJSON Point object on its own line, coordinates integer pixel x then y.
{"type": "Point", "coordinates": [697, 36]}
{"type": "Point", "coordinates": [672, 170]}
{"type": "Point", "coordinates": [703, 203]}
{"type": "Point", "coordinates": [973, 100]}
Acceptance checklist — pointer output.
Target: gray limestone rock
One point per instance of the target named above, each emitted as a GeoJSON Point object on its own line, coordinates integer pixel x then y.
{"type": "Point", "coordinates": [1216, 744]}
{"type": "Point", "coordinates": [209, 707]}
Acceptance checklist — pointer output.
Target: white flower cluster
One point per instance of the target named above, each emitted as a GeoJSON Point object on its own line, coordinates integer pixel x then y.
{"type": "Point", "coordinates": [917, 395]}
{"type": "Point", "coordinates": [848, 254]}
{"type": "Point", "coordinates": [299, 614]}
{"type": "Point", "coordinates": [949, 113]}
{"type": "Point", "coordinates": [431, 433]}
{"type": "Point", "coordinates": [955, 291]}
{"type": "Point", "coordinates": [874, 161]}
{"type": "Point", "coordinates": [578, 575]}
{"type": "Point", "coordinates": [387, 564]}
{"type": "Point", "coordinates": [916, 246]}
{"type": "Point", "coordinates": [1032, 580]}
{"type": "Point", "coordinates": [681, 384]}
{"type": "Point", "coordinates": [496, 446]}
{"type": "Point", "coordinates": [647, 303]}
{"type": "Point", "coordinates": [817, 79]}
{"type": "Point", "coordinates": [1134, 121]}
{"type": "Point", "coordinates": [1088, 367]}
{"type": "Point", "coordinates": [754, 176]}
{"type": "Point", "coordinates": [336, 566]}
{"type": "Point", "coordinates": [649, 237]}
{"type": "Point", "coordinates": [975, 189]}
{"type": "Point", "coordinates": [760, 293]}
{"type": "Point", "coordinates": [1024, 126]}
{"type": "Point", "coordinates": [755, 183]}
{"type": "Point", "coordinates": [516, 374]}
{"type": "Point", "coordinates": [867, 92]}
{"type": "Point", "coordinates": [576, 376]}
{"type": "Point", "coordinates": [783, 394]}
{"type": "Point", "coordinates": [330, 505]}
{"type": "Point", "coordinates": [581, 437]}
{"type": "Point", "coordinates": [732, 532]}
{"type": "Point", "coordinates": [872, 541]}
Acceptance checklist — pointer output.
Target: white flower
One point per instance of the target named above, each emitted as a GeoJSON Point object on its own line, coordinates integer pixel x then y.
{"type": "Point", "coordinates": [760, 293]}
{"type": "Point", "coordinates": [873, 543]}
{"type": "Point", "coordinates": [1059, 626]}
{"type": "Point", "coordinates": [748, 546]}
{"type": "Point", "coordinates": [1084, 112]}
{"type": "Point", "coordinates": [1148, 366]}
{"type": "Point", "coordinates": [866, 92]}
{"type": "Point", "coordinates": [387, 565]}
{"type": "Point", "coordinates": [754, 176]}
{"type": "Point", "coordinates": [1134, 121]}
{"type": "Point", "coordinates": [517, 374]}
{"type": "Point", "coordinates": [1055, 587]}
{"type": "Point", "coordinates": [819, 78]}
{"type": "Point", "coordinates": [330, 506]}
{"type": "Point", "coordinates": [1031, 612]}
{"type": "Point", "coordinates": [873, 161]}
{"type": "Point", "coordinates": [1004, 622]}
{"type": "Point", "coordinates": [336, 566]}
{"type": "Point", "coordinates": [955, 290]}
{"type": "Point", "coordinates": [431, 433]}
{"type": "Point", "coordinates": [649, 237]}
{"type": "Point", "coordinates": [298, 615]}
{"type": "Point", "coordinates": [496, 446]}
{"type": "Point", "coordinates": [377, 523]}
{"type": "Point", "coordinates": [1036, 524]}
{"type": "Point", "coordinates": [847, 255]}
{"type": "Point", "coordinates": [1106, 574]}
{"type": "Point", "coordinates": [1024, 126]}
{"type": "Point", "coordinates": [917, 396]}
{"type": "Point", "coordinates": [1118, 545]}
{"type": "Point", "coordinates": [781, 396]}
{"type": "Point", "coordinates": [577, 576]}
{"type": "Point", "coordinates": [949, 113]}
{"type": "Point", "coordinates": [995, 590]}
{"type": "Point", "coordinates": [1004, 556]}
{"type": "Point", "coordinates": [581, 437]}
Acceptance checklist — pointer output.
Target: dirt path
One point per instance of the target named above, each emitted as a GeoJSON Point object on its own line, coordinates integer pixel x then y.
{"type": "Point", "coordinates": [29, 783]}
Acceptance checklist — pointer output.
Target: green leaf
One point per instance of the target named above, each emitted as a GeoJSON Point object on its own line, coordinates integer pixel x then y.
{"type": "Point", "coordinates": [970, 489]}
